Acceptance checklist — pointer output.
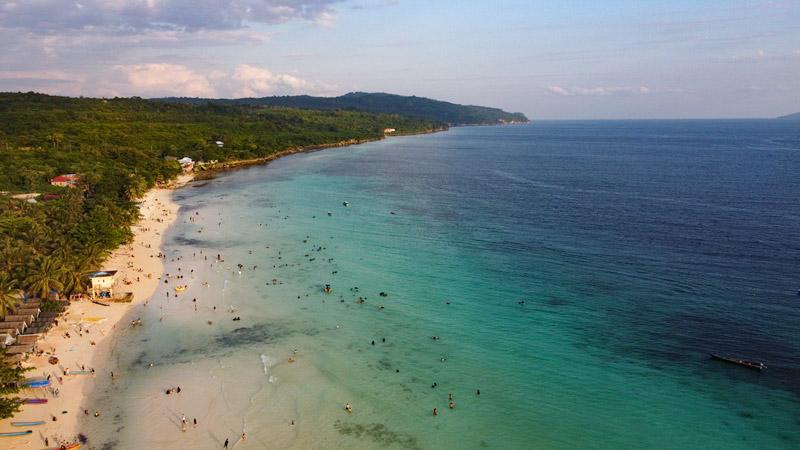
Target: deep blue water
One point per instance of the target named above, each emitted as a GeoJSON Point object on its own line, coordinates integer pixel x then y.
{"type": "Point", "coordinates": [577, 273]}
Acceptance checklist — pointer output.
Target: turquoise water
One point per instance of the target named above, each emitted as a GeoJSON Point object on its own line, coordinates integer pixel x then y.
{"type": "Point", "coordinates": [577, 274]}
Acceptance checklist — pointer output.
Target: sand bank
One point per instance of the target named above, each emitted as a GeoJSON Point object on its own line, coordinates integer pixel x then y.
{"type": "Point", "coordinates": [89, 327]}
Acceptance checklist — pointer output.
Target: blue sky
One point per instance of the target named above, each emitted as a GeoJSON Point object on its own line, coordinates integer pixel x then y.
{"type": "Point", "coordinates": [548, 59]}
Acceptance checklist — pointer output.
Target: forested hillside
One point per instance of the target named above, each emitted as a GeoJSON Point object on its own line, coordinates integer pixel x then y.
{"type": "Point", "coordinates": [420, 107]}
{"type": "Point", "coordinates": [41, 135]}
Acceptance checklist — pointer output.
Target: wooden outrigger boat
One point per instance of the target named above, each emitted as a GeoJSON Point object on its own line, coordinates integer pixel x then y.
{"type": "Point", "coordinates": [742, 362]}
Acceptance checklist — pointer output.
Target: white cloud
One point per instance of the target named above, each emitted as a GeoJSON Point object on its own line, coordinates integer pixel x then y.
{"type": "Point", "coordinates": [558, 90]}
{"type": "Point", "coordinates": [253, 81]}
{"type": "Point", "coordinates": [161, 79]}
{"type": "Point", "coordinates": [136, 16]}
{"type": "Point", "coordinates": [601, 91]}
{"type": "Point", "coordinates": [50, 75]}
{"type": "Point", "coordinates": [762, 55]}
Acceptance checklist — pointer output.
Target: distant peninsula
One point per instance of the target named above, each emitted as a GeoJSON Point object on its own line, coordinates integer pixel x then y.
{"type": "Point", "coordinates": [793, 117]}
{"type": "Point", "coordinates": [411, 106]}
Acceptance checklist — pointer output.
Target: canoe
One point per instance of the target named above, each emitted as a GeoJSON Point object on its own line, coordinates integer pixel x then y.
{"type": "Point", "coordinates": [742, 362]}
{"type": "Point", "coordinates": [34, 401]}
{"type": "Point", "coordinates": [180, 288]}
{"type": "Point", "coordinates": [37, 383]}
{"type": "Point", "coordinates": [68, 447]}
{"type": "Point", "coordinates": [98, 302]}
{"type": "Point", "coordinates": [16, 433]}
{"type": "Point", "coordinates": [78, 372]}
{"type": "Point", "coordinates": [28, 424]}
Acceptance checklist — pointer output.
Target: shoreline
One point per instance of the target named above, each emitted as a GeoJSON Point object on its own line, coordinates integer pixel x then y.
{"type": "Point", "coordinates": [83, 321]}
{"type": "Point", "coordinates": [85, 332]}
{"type": "Point", "coordinates": [208, 173]}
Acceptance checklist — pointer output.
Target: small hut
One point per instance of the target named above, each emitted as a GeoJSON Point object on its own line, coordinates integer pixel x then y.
{"type": "Point", "coordinates": [103, 283]}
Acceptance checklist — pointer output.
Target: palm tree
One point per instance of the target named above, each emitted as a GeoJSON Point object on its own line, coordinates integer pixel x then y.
{"type": "Point", "coordinates": [73, 278]}
{"type": "Point", "coordinates": [46, 275]}
{"type": "Point", "coordinates": [12, 253]}
{"type": "Point", "coordinates": [93, 255]}
{"type": "Point", "coordinates": [9, 298]}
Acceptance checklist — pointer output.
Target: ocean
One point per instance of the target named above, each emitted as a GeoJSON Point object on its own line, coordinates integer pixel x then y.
{"type": "Point", "coordinates": [562, 282]}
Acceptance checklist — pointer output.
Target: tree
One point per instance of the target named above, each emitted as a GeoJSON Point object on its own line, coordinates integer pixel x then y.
{"type": "Point", "coordinates": [9, 294]}
{"type": "Point", "coordinates": [11, 378]}
{"type": "Point", "coordinates": [46, 275]}
{"type": "Point", "coordinates": [82, 265]}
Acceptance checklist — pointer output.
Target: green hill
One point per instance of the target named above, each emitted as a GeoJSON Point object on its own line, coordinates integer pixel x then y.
{"type": "Point", "coordinates": [65, 135]}
{"type": "Point", "coordinates": [793, 117]}
{"type": "Point", "coordinates": [420, 107]}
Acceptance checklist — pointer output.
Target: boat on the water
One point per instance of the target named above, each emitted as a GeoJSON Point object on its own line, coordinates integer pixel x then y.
{"type": "Point", "coordinates": [16, 433]}
{"type": "Point", "coordinates": [742, 362]}
{"type": "Point", "coordinates": [28, 424]}
{"type": "Point", "coordinates": [180, 288]}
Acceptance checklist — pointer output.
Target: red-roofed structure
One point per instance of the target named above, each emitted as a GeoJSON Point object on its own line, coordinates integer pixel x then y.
{"type": "Point", "coordinates": [68, 180]}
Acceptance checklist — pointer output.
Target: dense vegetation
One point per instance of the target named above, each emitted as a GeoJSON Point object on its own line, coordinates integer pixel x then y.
{"type": "Point", "coordinates": [117, 147]}
{"type": "Point", "coordinates": [420, 107]}
{"type": "Point", "coordinates": [41, 135]}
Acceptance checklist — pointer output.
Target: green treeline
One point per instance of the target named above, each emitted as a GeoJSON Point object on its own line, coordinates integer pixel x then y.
{"type": "Point", "coordinates": [42, 135]}
{"type": "Point", "coordinates": [117, 147]}
{"type": "Point", "coordinates": [420, 107]}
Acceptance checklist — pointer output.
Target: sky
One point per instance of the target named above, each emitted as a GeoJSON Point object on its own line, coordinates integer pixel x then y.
{"type": "Point", "coordinates": [551, 59]}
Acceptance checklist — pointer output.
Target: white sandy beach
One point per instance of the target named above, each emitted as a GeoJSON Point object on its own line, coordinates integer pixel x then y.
{"type": "Point", "coordinates": [90, 327]}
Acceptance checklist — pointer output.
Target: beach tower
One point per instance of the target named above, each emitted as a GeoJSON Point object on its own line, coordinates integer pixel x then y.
{"type": "Point", "coordinates": [103, 283]}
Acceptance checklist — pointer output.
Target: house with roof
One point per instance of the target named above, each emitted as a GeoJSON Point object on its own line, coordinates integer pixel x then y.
{"type": "Point", "coordinates": [67, 180]}
{"type": "Point", "coordinates": [187, 164]}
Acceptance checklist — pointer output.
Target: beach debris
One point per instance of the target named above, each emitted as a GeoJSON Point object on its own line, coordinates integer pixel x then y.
{"type": "Point", "coordinates": [53, 360]}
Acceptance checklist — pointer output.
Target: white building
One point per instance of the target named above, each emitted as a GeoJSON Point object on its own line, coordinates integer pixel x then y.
{"type": "Point", "coordinates": [186, 163]}
{"type": "Point", "coordinates": [103, 283]}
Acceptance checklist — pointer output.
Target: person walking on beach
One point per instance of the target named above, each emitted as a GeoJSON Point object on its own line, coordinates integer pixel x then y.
{"type": "Point", "coordinates": [226, 443]}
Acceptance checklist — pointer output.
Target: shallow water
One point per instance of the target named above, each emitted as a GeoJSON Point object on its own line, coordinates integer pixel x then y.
{"type": "Point", "coordinates": [636, 247]}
